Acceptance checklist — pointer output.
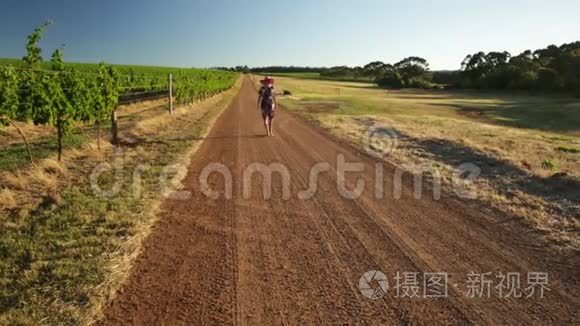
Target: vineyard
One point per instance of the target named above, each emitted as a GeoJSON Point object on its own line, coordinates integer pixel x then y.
{"type": "Point", "coordinates": [62, 95]}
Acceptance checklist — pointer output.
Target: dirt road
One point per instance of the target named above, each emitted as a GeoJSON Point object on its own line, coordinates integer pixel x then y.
{"type": "Point", "coordinates": [250, 260]}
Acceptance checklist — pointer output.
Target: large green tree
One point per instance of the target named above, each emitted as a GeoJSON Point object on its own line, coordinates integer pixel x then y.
{"type": "Point", "coordinates": [549, 69]}
{"type": "Point", "coordinates": [413, 71]}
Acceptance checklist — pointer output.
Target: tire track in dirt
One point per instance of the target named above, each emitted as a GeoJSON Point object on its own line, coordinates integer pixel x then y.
{"type": "Point", "coordinates": [255, 261]}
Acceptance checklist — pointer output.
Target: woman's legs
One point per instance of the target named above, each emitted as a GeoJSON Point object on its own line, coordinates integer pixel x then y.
{"type": "Point", "coordinates": [271, 123]}
{"type": "Point", "coordinates": [268, 117]}
{"type": "Point", "coordinates": [267, 125]}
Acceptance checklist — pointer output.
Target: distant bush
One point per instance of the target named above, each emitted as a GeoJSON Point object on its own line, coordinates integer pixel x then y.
{"type": "Point", "coordinates": [391, 79]}
{"type": "Point", "coordinates": [419, 83]}
{"type": "Point", "coordinates": [547, 79]}
{"type": "Point", "coordinates": [449, 78]}
{"type": "Point", "coordinates": [523, 80]}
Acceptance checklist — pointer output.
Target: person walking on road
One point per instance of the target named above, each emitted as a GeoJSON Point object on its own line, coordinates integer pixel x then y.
{"type": "Point", "coordinates": [267, 103]}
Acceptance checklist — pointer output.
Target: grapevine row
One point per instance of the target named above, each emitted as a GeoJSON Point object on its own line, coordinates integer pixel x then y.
{"type": "Point", "coordinates": [59, 95]}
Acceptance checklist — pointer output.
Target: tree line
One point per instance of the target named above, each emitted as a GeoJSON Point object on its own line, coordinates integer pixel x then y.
{"type": "Point", "coordinates": [554, 68]}
{"type": "Point", "coordinates": [550, 69]}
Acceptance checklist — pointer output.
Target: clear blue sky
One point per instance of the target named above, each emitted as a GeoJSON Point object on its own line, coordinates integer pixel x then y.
{"type": "Point", "coordinates": [286, 32]}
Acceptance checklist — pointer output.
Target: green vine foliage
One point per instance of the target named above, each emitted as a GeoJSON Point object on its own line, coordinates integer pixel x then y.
{"type": "Point", "coordinates": [61, 111]}
{"type": "Point", "coordinates": [9, 84]}
{"type": "Point", "coordinates": [33, 56]}
{"type": "Point", "coordinates": [107, 95]}
{"type": "Point", "coordinates": [190, 87]}
{"type": "Point", "coordinates": [32, 100]}
{"type": "Point", "coordinates": [61, 95]}
{"type": "Point", "coordinates": [81, 93]}
{"type": "Point", "coordinates": [9, 102]}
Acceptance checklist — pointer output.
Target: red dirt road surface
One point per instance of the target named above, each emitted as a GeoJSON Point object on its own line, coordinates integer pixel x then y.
{"type": "Point", "coordinates": [250, 260]}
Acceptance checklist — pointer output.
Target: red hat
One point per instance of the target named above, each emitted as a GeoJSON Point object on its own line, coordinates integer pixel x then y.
{"type": "Point", "coordinates": [267, 80]}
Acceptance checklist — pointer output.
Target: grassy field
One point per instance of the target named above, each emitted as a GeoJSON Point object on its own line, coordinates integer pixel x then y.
{"type": "Point", "coordinates": [63, 249]}
{"type": "Point", "coordinates": [307, 75]}
{"type": "Point", "coordinates": [316, 76]}
{"type": "Point", "coordinates": [526, 146]}
{"type": "Point", "coordinates": [556, 114]}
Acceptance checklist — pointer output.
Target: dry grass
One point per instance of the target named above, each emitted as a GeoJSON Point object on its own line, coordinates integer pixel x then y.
{"type": "Point", "coordinates": [46, 180]}
{"type": "Point", "coordinates": [522, 148]}
{"type": "Point", "coordinates": [32, 184]}
{"type": "Point", "coordinates": [433, 128]}
{"type": "Point", "coordinates": [53, 166]}
{"type": "Point", "coordinates": [7, 200]}
{"type": "Point", "coordinates": [499, 186]}
{"type": "Point", "coordinates": [97, 239]}
{"type": "Point", "coordinates": [9, 135]}
{"type": "Point", "coordinates": [120, 264]}
{"type": "Point", "coordinates": [42, 139]}
{"type": "Point", "coordinates": [139, 107]}
{"type": "Point", "coordinates": [75, 153]}
{"type": "Point", "coordinates": [153, 125]}
{"type": "Point", "coordinates": [119, 267]}
{"type": "Point", "coordinates": [16, 180]}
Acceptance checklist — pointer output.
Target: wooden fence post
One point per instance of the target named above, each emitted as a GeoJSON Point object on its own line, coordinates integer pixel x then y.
{"type": "Point", "coordinates": [170, 94]}
{"type": "Point", "coordinates": [114, 128]}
